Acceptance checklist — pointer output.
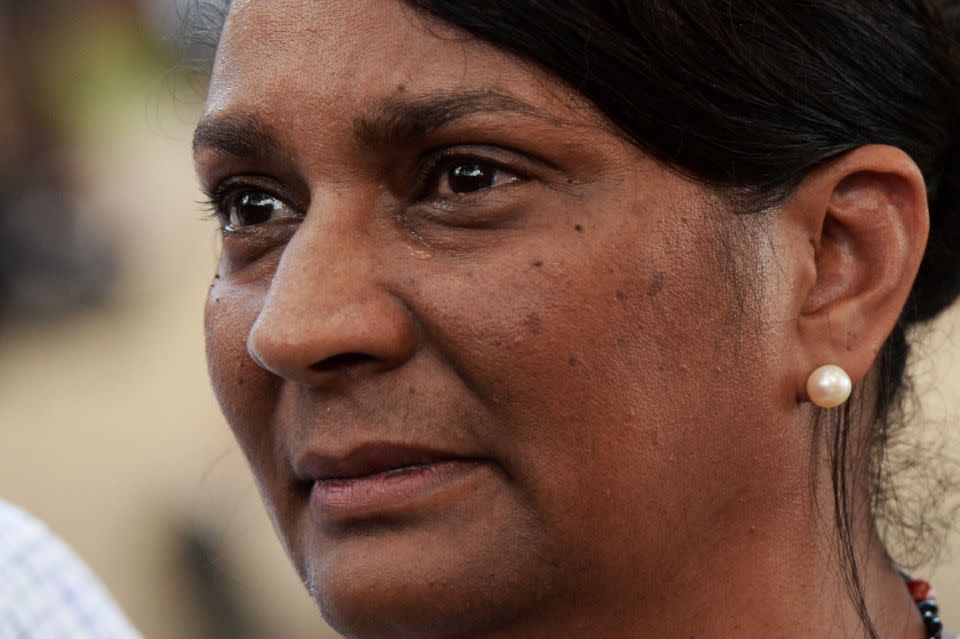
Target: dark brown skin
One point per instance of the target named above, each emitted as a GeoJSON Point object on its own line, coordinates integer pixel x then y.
{"type": "Point", "coordinates": [626, 353]}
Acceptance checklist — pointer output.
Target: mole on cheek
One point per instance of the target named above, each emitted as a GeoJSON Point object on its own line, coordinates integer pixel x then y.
{"type": "Point", "coordinates": [533, 323]}
{"type": "Point", "coordinates": [656, 285]}
{"type": "Point", "coordinates": [536, 263]}
{"type": "Point", "coordinates": [578, 227]}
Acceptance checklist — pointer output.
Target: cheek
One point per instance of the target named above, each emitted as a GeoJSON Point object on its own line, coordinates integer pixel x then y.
{"type": "Point", "coordinates": [601, 355]}
{"type": "Point", "coordinates": [248, 397]}
{"type": "Point", "coordinates": [243, 389]}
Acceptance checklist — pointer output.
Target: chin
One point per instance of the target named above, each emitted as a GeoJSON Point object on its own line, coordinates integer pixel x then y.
{"type": "Point", "coordinates": [363, 597]}
{"type": "Point", "coordinates": [395, 582]}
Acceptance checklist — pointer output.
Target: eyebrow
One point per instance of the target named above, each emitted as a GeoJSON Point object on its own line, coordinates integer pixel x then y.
{"type": "Point", "coordinates": [394, 121]}
{"type": "Point", "coordinates": [241, 135]}
{"type": "Point", "coordinates": [403, 120]}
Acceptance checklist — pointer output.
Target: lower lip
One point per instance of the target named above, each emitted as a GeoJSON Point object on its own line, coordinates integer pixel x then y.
{"type": "Point", "coordinates": [372, 494]}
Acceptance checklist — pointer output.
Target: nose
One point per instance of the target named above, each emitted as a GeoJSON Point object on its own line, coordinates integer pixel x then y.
{"type": "Point", "coordinates": [327, 313]}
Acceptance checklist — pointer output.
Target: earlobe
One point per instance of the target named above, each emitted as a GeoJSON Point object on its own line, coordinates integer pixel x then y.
{"type": "Point", "coordinates": [866, 215]}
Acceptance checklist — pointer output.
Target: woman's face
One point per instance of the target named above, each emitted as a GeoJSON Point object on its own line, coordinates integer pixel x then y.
{"type": "Point", "coordinates": [436, 256]}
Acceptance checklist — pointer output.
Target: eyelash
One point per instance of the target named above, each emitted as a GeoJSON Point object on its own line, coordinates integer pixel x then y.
{"type": "Point", "coordinates": [210, 204]}
{"type": "Point", "coordinates": [426, 179]}
{"type": "Point", "coordinates": [213, 201]}
{"type": "Point", "coordinates": [427, 175]}
{"type": "Point", "coordinates": [215, 197]}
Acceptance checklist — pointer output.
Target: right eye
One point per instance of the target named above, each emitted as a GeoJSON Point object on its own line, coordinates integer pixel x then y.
{"type": "Point", "coordinates": [244, 208]}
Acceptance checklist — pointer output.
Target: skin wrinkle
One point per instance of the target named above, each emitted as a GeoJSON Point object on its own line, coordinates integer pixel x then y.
{"type": "Point", "coordinates": [644, 448]}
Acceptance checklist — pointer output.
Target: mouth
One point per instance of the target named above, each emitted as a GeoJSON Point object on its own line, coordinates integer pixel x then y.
{"type": "Point", "coordinates": [380, 479]}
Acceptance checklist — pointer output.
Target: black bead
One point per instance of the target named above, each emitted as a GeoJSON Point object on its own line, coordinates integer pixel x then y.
{"type": "Point", "coordinates": [928, 604]}
{"type": "Point", "coordinates": [930, 612]}
{"type": "Point", "coordinates": [933, 626]}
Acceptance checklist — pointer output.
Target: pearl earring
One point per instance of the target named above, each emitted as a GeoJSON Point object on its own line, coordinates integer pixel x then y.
{"type": "Point", "coordinates": [829, 386]}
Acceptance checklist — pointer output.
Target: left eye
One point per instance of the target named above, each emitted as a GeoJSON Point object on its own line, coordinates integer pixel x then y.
{"type": "Point", "coordinates": [250, 208]}
{"type": "Point", "coordinates": [469, 177]}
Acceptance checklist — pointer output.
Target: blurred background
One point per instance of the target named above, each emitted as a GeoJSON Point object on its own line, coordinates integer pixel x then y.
{"type": "Point", "coordinates": [108, 430]}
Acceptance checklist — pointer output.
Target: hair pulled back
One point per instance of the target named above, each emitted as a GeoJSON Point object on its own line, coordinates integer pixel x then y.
{"type": "Point", "coordinates": [748, 96]}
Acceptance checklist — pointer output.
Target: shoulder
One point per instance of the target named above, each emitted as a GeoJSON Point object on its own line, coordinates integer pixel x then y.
{"type": "Point", "coordinates": [47, 591]}
{"type": "Point", "coordinates": [21, 536]}
{"type": "Point", "coordinates": [15, 522]}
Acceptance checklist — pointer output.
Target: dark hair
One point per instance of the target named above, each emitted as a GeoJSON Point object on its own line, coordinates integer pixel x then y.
{"type": "Point", "coordinates": [748, 96]}
{"type": "Point", "coordinates": [201, 23]}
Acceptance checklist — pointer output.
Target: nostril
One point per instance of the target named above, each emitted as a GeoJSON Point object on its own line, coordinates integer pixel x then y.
{"type": "Point", "coordinates": [341, 361]}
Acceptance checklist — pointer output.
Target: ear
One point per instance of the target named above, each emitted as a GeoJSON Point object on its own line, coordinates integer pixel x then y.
{"type": "Point", "coordinates": [865, 215]}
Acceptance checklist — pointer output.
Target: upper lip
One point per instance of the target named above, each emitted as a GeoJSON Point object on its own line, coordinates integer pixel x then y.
{"type": "Point", "coordinates": [368, 459]}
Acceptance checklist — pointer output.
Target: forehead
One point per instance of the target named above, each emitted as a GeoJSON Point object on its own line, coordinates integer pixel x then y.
{"type": "Point", "coordinates": [322, 58]}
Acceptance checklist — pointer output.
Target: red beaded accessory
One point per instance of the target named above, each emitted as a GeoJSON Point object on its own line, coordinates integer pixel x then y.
{"type": "Point", "coordinates": [926, 600]}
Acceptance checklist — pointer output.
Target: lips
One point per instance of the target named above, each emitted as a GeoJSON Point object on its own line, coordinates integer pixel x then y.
{"type": "Point", "coordinates": [370, 459]}
{"type": "Point", "coordinates": [379, 479]}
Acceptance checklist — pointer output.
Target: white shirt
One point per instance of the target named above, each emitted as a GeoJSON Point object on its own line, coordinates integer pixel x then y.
{"type": "Point", "coordinates": [46, 591]}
